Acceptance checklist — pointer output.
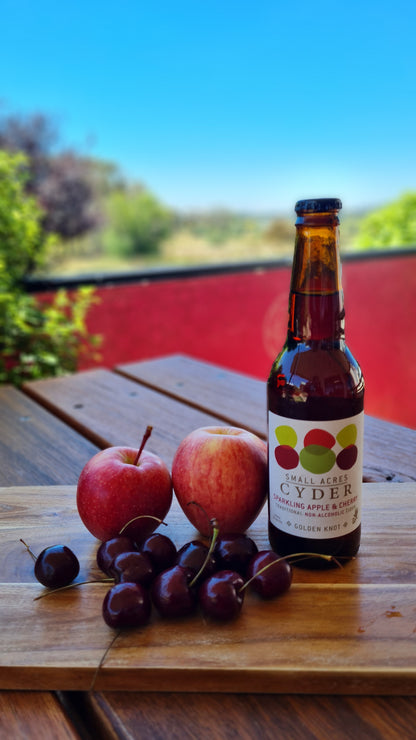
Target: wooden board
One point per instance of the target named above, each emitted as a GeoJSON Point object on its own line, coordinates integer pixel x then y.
{"type": "Point", "coordinates": [343, 631]}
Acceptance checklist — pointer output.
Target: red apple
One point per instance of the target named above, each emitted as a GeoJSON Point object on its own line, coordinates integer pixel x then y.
{"type": "Point", "coordinates": [118, 484]}
{"type": "Point", "coordinates": [223, 470]}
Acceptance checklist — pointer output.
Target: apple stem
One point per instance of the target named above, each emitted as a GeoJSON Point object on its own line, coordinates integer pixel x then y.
{"type": "Point", "coordinates": [29, 550]}
{"type": "Point", "coordinates": [146, 436]}
{"type": "Point", "coordinates": [299, 556]}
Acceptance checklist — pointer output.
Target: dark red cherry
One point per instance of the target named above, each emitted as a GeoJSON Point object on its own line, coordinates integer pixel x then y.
{"type": "Point", "coordinates": [132, 567]}
{"type": "Point", "coordinates": [56, 566]}
{"type": "Point", "coordinates": [273, 581]}
{"type": "Point", "coordinates": [171, 592]}
{"type": "Point", "coordinates": [193, 555]}
{"type": "Point", "coordinates": [161, 551]}
{"type": "Point", "coordinates": [109, 549]}
{"type": "Point", "coordinates": [220, 595]}
{"type": "Point", "coordinates": [234, 552]}
{"type": "Point", "coordinates": [126, 605]}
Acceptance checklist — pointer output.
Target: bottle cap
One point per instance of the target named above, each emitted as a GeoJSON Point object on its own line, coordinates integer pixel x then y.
{"type": "Point", "coordinates": [318, 205]}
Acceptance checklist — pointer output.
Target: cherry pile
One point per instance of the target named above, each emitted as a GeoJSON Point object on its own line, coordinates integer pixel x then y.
{"type": "Point", "coordinates": [177, 582]}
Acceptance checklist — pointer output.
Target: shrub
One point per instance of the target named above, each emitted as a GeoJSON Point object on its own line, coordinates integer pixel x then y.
{"type": "Point", "coordinates": [36, 339]}
{"type": "Point", "coordinates": [137, 223]}
{"type": "Point", "coordinates": [394, 225]}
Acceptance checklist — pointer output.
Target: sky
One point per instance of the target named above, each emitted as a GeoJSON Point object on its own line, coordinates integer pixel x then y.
{"type": "Point", "coordinates": [248, 105]}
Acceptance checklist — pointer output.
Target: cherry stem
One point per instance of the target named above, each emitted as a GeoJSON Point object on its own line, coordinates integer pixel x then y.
{"type": "Point", "coordinates": [212, 522]}
{"type": "Point", "coordinates": [71, 585]}
{"type": "Point", "coordinates": [299, 556]}
{"type": "Point", "coordinates": [107, 650]}
{"type": "Point", "coordinates": [142, 516]}
{"type": "Point", "coordinates": [29, 550]}
{"type": "Point", "coordinates": [215, 532]}
{"type": "Point", "coordinates": [146, 436]}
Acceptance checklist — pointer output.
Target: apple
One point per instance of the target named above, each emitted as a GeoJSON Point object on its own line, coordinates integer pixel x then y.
{"type": "Point", "coordinates": [220, 473]}
{"type": "Point", "coordinates": [121, 483]}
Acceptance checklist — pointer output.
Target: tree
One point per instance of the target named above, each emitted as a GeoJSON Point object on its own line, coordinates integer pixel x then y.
{"type": "Point", "coordinates": [62, 183]}
{"type": "Point", "coordinates": [393, 225]}
{"type": "Point", "coordinates": [137, 223]}
{"type": "Point", "coordinates": [36, 340]}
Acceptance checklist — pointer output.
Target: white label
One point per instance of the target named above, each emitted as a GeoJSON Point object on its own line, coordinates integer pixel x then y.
{"type": "Point", "coordinates": [315, 471]}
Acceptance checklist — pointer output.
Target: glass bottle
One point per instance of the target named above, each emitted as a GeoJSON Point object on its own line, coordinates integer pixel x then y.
{"type": "Point", "coordinates": [315, 403]}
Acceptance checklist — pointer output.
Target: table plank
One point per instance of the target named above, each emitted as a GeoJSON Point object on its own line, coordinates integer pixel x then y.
{"type": "Point", "coordinates": [265, 716]}
{"type": "Point", "coordinates": [348, 630]}
{"type": "Point", "coordinates": [37, 715]}
{"type": "Point", "coordinates": [35, 446]}
{"type": "Point", "coordinates": [112, 410]}
{"type": "Point", "coordinates": [234, 397]}
{"type": "Point", "coordinates": [389, 450]}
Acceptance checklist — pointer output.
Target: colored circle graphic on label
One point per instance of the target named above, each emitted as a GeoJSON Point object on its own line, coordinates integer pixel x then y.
{"type": "Point", "coordinates": [317, 455]}
{"type": "Point", "coordinates": [285, 435]}
{"type": "Point", "coordinates": [317, 459]}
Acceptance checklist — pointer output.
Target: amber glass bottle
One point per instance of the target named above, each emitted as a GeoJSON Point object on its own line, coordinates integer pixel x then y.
{"type": "Point", "coordinates": [315, 403]}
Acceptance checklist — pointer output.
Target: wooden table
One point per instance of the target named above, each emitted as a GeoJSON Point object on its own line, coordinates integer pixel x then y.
{"type": "Point", "coordinates": [335, 657]}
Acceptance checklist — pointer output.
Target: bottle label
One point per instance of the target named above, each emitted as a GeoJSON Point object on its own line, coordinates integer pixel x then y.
{"type": "Point", "coordinates": [315, 473]}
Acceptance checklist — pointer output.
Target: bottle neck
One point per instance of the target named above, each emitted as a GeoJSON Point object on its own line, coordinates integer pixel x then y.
{"type": "Point", "coordinates": [316, 303]}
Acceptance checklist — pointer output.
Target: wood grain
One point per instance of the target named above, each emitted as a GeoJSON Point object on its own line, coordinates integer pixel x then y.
{"type": "Point", "coordinates": [36, 715]}
{"type": "Point", "coordinates": [36, 447]}
{"type": "Point", "coordinates": [236, 398]}
{"type": "Point", "coordinates": [251, 717]}
{"type": "Point", "coordinates": [348, 630]}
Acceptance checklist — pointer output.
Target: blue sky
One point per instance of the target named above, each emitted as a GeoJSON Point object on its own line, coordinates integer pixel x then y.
{"type": "Point", "coordinates": [245, 104]}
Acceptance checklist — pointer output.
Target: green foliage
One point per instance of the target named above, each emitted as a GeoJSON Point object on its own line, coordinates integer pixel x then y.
{"type": "Point", "coordinates": [137, 223]}
{"type": "Point", "coordinates": [394, 225]}
{"type": "Point", "coordinates": [21, 237]}
{"type": "Point", "coordinates": [36, 339]}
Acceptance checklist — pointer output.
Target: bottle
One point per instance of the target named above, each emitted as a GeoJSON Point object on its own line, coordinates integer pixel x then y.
{"type": "Point", "coordinates": [315, 403]}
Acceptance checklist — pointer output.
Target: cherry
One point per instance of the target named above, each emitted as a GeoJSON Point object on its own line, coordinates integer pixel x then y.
{"type": "Point", "coordinates": [109, 549]}
{"type": "Point", "coordinates": [56, 566]}
{"type": "Point", "coordinates": [194, 555]}
{"type": "Point", "coordinates": [268, 574]}
{"type": "Point", "coordinates": [221, 596]}
{"type": "Point", "coordinates": [126, 605]}
{"type": "Point", "coordinates": [234, 551]}
{"type": "Point", "coordinates": [132, 567]}
{"type": "Point", "coordinates": [160, 550]}
{"type": "Point", "coordinates": [172, 593]}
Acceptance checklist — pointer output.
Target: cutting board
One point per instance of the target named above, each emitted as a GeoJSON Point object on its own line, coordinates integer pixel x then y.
{"type": "Point", "coordinates": [346, 631]}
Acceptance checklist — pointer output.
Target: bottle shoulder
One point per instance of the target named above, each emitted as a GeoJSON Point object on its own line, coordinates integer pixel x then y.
{"type": "Point", "coordinates": [308, 359]}
{"type": "Point", "coordinates": [316, 378]}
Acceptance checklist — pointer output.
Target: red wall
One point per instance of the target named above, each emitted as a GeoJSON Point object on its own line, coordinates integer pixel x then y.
{"type": "Point", "coordinates": [239, 320]}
